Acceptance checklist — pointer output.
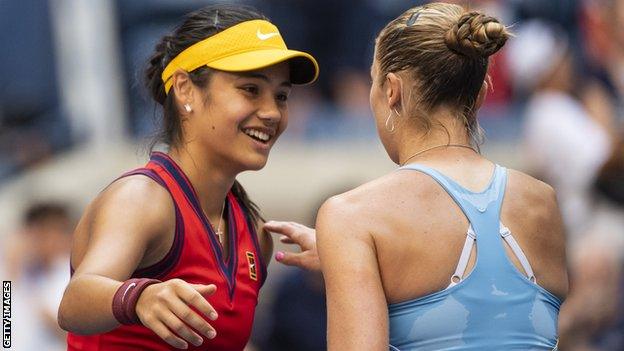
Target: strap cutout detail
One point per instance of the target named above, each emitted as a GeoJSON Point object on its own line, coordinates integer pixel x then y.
{"type": "Point", "coordinates": [471, 239]}
{"type": "Point", "coordinates": [517, 250]}
{"type": "Point", "coordinates": [458, 276]}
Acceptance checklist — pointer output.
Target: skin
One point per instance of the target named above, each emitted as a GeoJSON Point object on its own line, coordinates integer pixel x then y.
{"type": "Point", "coordinates": [385, 237]}
{"type": "Point", "coordinates": [131, 224]}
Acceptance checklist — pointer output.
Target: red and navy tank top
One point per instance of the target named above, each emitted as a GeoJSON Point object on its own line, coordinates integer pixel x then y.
{"type": "Point", "coordinates": [197, 257]}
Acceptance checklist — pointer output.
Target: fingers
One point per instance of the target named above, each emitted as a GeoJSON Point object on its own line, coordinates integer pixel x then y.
{"type": "Point", "coordinates": [295, 232]}
{"type": "Point", "coordinates": [284, 228]}
{"type": "Point", "coordinates": [290, 258]}
{"type": "Point", "coordinates": [189, 317]}
{"type": "Point", "coordinates": [194, 297]}
{"type": "Point", "coordinates": [205, 290]}
{"type": "Point", "coordinates": [286, 240]}
{"type": "Point", "coordinates": [164, 333]}
{"type": "Point", "coordinates": [171, 309]}
{"type": "Point", "coordinates": [304, 260]}
{"type": "Point", "coordinates": [179, 328]}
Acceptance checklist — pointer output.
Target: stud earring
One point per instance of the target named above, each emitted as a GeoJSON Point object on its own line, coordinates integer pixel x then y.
{"type": "Point", "coordinates": [188, 108]}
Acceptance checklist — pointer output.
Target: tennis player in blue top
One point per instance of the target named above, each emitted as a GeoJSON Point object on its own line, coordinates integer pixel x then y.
{"type": "Point", "coordinates": [451, 251]}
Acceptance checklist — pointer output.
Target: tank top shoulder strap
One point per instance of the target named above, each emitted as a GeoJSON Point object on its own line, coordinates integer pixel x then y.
{"type": "Point", "coordinates": [145, 171]}
{"type": "Point", "coordinates": [481, 208]}
{"type": "Point", "coordinates": [161, 268]}
{"type": "Point", "coordinates": [473, 204]}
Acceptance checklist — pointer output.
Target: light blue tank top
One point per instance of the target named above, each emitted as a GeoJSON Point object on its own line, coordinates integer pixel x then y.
{"type": "Point", "coordinates": [495, 307]}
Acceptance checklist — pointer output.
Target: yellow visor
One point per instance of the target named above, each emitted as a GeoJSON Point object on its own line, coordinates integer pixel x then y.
{"type": "Point", "coordinates": [246, 46]}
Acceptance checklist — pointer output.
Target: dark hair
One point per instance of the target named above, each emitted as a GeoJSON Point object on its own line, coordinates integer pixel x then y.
{"type": "Point", "coordinates": [197, 26]}
{"type": "Point", "coordinates": [446, 51]}
{"type": "Point", "coordinates": [40, 212]}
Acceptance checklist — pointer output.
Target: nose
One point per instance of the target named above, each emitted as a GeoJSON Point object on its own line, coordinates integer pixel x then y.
{"type": "Point", "coordinates": [269, 111]}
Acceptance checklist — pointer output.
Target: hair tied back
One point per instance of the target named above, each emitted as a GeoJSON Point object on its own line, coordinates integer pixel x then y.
{"type": "Point", "coordinates": [412, 19]}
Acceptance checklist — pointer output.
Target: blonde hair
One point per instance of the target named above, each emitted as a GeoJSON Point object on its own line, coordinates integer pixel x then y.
{"type": "Point", "coordinates": [445, 51]}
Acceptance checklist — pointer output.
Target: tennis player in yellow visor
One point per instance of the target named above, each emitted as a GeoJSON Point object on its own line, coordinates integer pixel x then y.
{"type": "Point", "coordinates": [244, 47]}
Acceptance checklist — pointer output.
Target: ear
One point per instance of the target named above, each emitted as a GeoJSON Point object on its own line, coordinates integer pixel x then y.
{"type": "Point", "coordinates": [482, 93]}
{"type": "Point", "coordinates": [394, 86]}
{"type": "Point", "coordinates": [183, 87]}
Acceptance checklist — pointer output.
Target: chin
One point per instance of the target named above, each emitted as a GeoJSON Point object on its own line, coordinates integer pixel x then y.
{"type": "Point", "coordinates": [255, 163]}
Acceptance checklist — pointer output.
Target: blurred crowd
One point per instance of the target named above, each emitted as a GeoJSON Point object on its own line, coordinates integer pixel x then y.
{"type": "Point", "coordinates": [558, 95]}
{"type": "Point", "coordinates": [36, 261]}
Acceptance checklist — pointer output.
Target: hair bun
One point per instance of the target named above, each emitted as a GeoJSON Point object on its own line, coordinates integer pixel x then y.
{"type": "Point", "coordinates": [476, 35]}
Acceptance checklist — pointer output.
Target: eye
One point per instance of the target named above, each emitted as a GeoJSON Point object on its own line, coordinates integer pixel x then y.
{"type": "Point", "coordinates": [251, 89]}
{"type": "Point", "coordinates": [282, 97]}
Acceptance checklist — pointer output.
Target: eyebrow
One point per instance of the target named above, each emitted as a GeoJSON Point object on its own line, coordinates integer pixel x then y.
{"type": "Point", "coordinates": [263, 77]}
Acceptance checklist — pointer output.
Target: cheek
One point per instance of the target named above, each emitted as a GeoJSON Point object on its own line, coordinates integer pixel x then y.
{"type": "Point", "coordinates": [229, 115]}
{"type": "Point", "coordinates": [283, 123]}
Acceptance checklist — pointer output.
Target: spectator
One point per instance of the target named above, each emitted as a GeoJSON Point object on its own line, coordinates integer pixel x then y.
{"type": "Point", "coordinates": [37, 259]}
{"type": "Point", "coordinates": [593, 318]}
{"type": "Point", "coordinates": [564, 145]}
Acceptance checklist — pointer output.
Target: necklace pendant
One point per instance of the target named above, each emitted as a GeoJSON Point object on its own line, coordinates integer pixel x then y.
{"type": "Point", "coordinates": [219, 236]}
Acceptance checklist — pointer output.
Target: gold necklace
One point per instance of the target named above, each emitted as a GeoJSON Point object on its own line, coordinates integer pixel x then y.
{"type": "Point", "coordinates": [218, 231]}
{"type": "Point", "coordinates": [435, 147]}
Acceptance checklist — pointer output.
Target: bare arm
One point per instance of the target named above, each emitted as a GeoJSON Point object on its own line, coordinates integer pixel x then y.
{"type": "Point", "coordinates": [121, 225]}
{"type": "Point", "coordinates": [546, 244]}
{"type": "Point", "coordinates": [554, 248]}
{"type": "Point", "coordinates": [356, 304]}
{"type": "Point", "coordinates": [266, 242]}
{"type": "Point", "coordinates": [119, 232]}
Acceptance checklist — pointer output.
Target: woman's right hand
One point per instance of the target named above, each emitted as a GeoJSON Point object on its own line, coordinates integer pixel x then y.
{"type": "Point", "coordinates": [165, 308]}
{"type": "Point", "coordinates": [299, 234]}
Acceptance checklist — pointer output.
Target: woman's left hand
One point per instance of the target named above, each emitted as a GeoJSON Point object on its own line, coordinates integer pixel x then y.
{"type": "Point", "coordinates": [295, 233]}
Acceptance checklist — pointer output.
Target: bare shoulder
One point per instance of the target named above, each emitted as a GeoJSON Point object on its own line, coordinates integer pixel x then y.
{"type": "Point", "coordinates": [537, 201]}
{"type": "Point", "coordinates": [132, 213]}
{"type": "Point", "coordinates": [539, 228]}
{"type": "Point", "coordinates": [135, 195]}
{"type": "Point", "coordinates": [360, 207]}
{"type": "Point", "coordinates": [355, 202]}
{"type": "Point", "coordinates": [531, 193]}
{"type": "Point", "coordinates": [341, 211]}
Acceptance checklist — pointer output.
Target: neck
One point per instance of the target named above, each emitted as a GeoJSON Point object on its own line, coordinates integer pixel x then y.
{"type": "Point", "coordinates": [445, 130]}
{"type": "Point", "coordinates": [211, 181]}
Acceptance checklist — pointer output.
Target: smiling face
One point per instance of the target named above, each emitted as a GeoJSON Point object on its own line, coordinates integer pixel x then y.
{"type": "Point", "coordinates": [238, 117]}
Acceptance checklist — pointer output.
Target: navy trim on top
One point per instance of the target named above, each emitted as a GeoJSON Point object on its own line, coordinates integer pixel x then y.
{"type": "Point", "coordinates": [254, 237]}
{"type": "Point", "coordinates": [166, 264]}
{"type": "Point", "coordinates": [161, 268]}
{"type": "Point", "coordinates": [233, 240]}
{"type": "Point", "coordinates": [189, 191]}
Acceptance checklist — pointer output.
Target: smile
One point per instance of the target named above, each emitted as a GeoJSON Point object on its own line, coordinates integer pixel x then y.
{"type": "Point", "coordinates": [258, 135]}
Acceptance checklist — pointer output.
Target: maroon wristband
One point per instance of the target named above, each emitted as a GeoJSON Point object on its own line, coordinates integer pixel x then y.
{"type": "Point", "coordinates": [126, 297]}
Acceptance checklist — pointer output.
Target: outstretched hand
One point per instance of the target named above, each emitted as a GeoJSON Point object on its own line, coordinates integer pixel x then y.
{"type": "Point", "coordinates": [298, 234]}
{"type": "Point", "coordinates": [165, 308]}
